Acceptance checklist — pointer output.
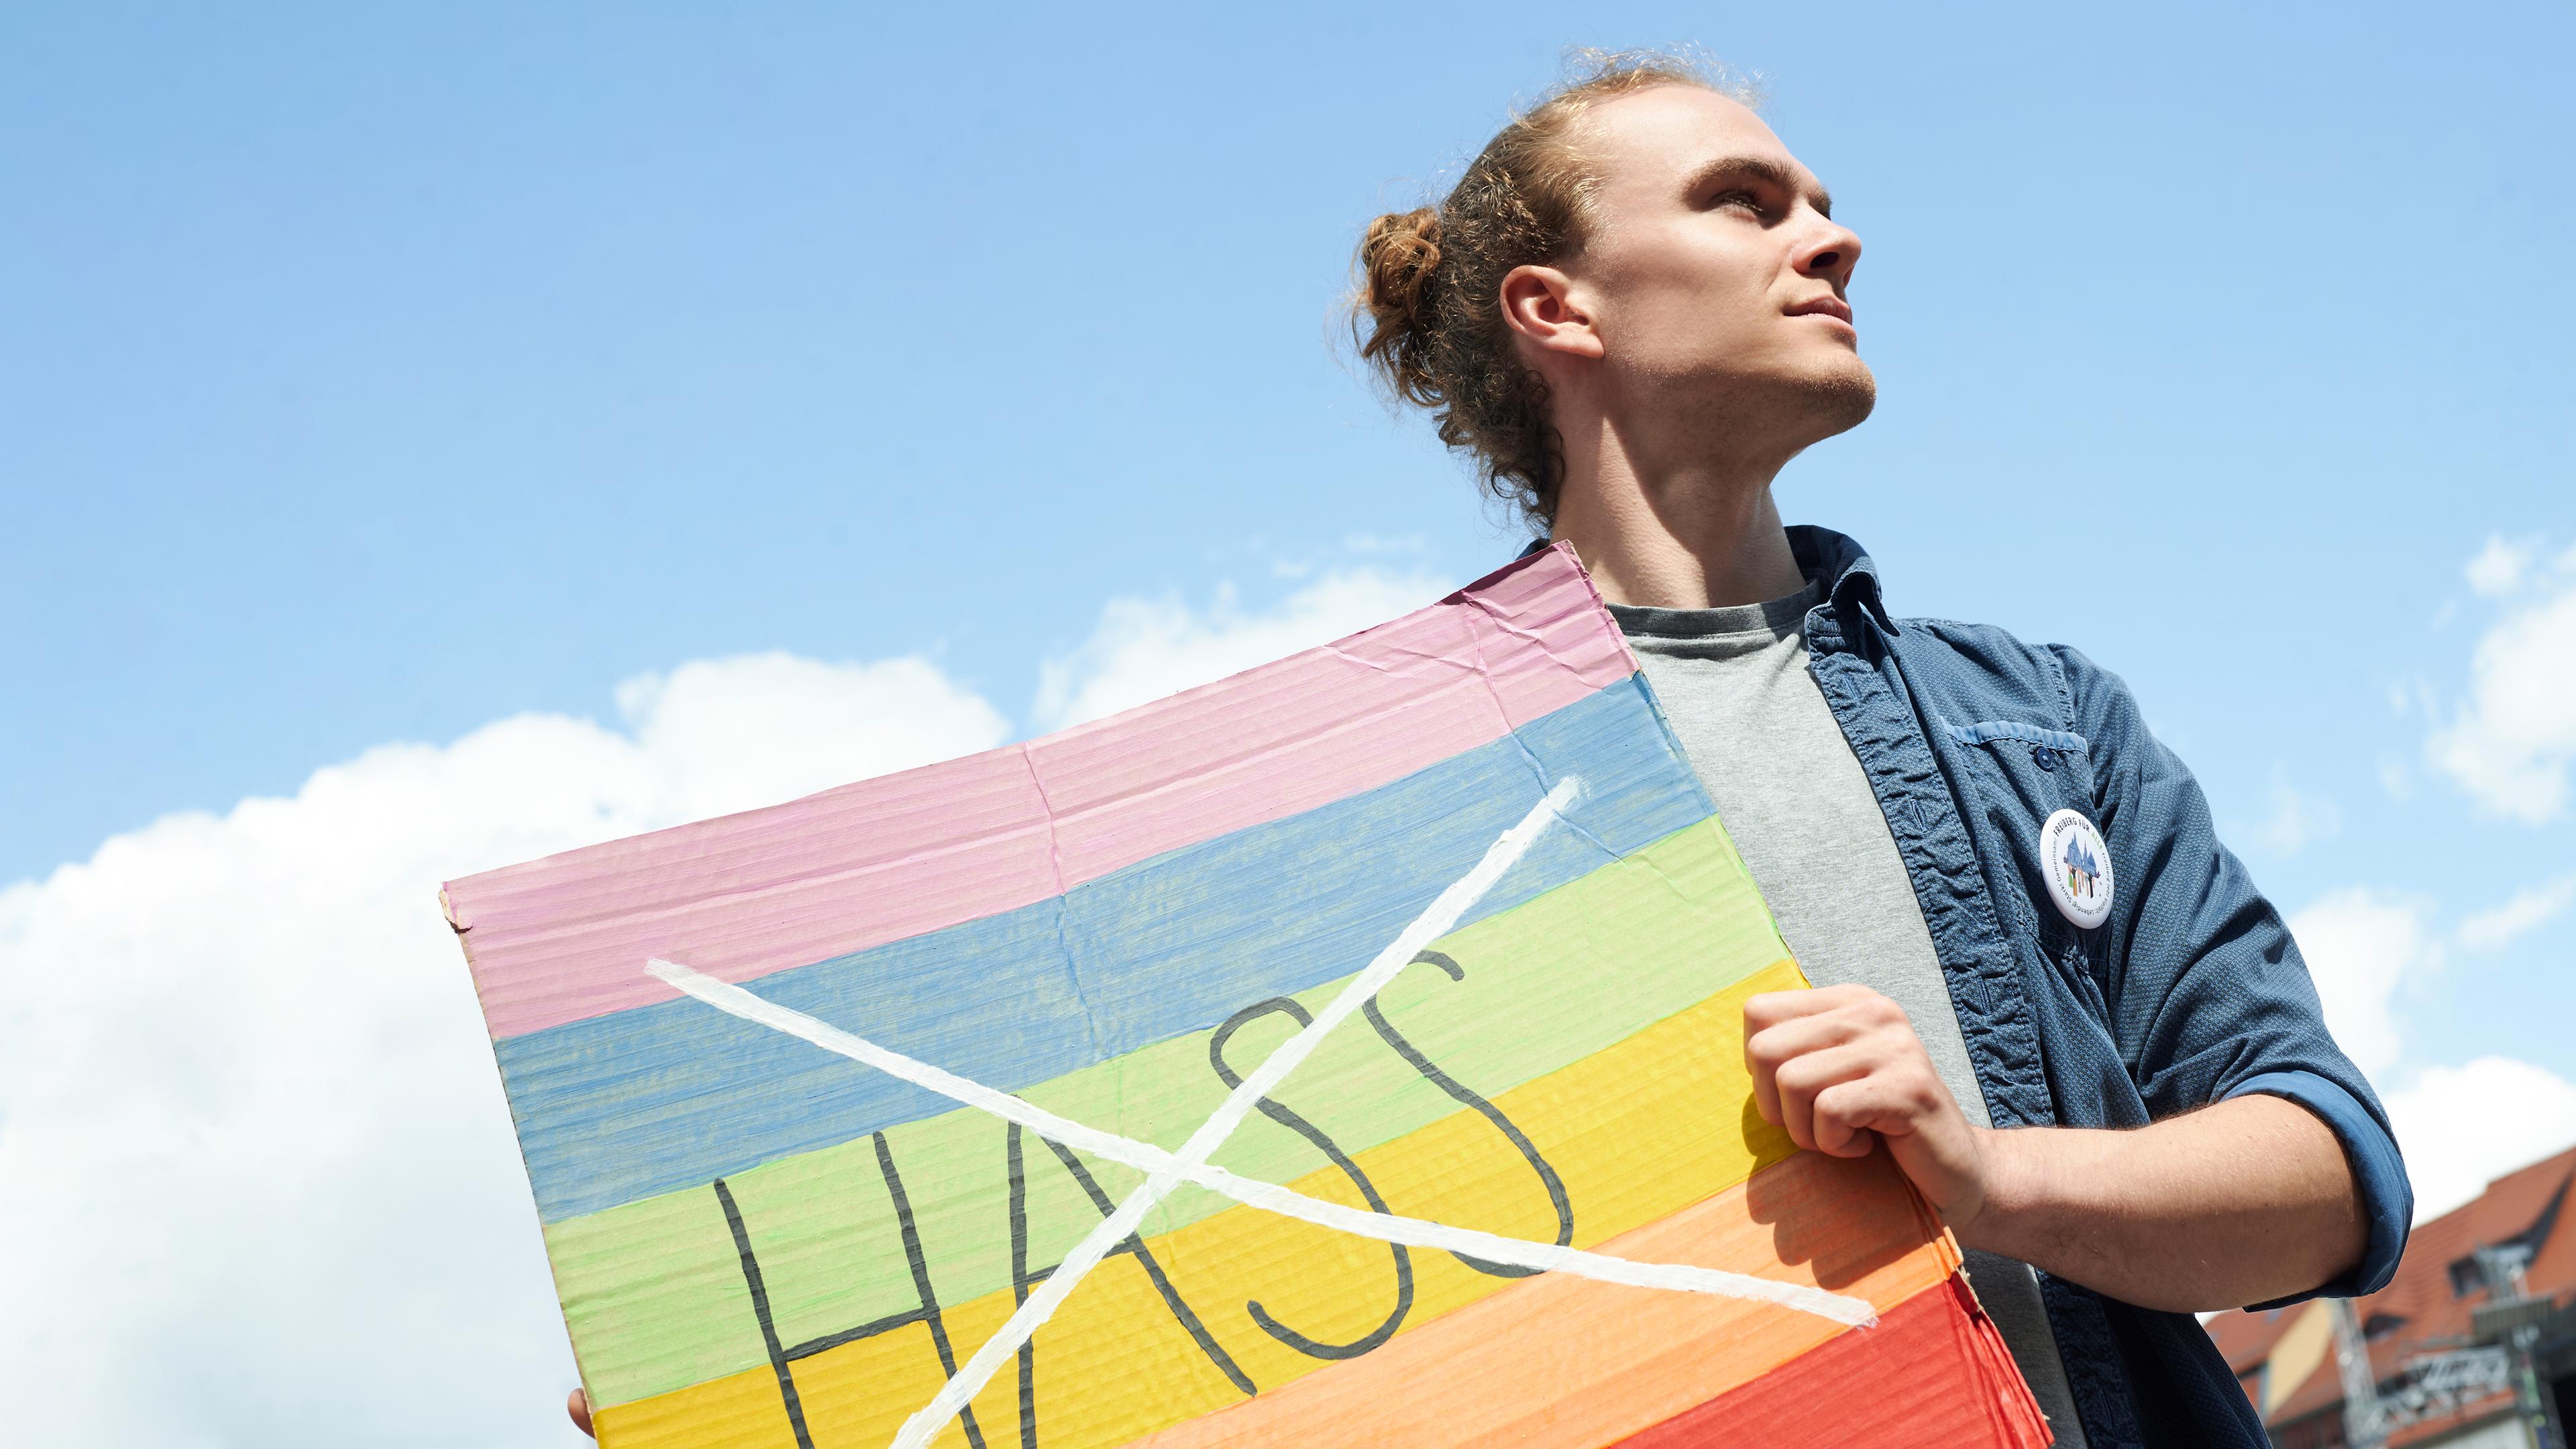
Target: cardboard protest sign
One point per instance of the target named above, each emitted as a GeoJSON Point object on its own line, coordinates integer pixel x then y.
{"type": "Point", "coordinates": [1348, 1052]}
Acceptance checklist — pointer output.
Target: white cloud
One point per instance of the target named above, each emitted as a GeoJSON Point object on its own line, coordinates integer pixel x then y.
{"type": "Point", "coordinates": [2297, 820]}
{"type": "Point", "coordinates": [1144, 649]}
{"type": "Point", "coordinates": [256, 1177]}
{"type": "Point", "coordinates": [815, 722]}
{"type": "Point", "coordinates": [2414, 694]}
{"type": "Point", "coordinates": [255, 1168]}
{"type": "Point", "coordinates": [2461, 1127]}
{"type": "Point", "coordinates": [2394, 778]}
{"type": "Point", "coordinates": [2510, 742]}
{"type": "Point", "coordinates": [2359, 945]}
{"type": "Point", "coordinates": [2530, 908]}
{"type": "Point", "coordinates": [2500, 567]}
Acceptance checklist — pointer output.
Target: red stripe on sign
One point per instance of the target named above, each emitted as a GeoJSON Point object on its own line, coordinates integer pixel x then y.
{"type": "Point", "coordinates": [1934, 1373]}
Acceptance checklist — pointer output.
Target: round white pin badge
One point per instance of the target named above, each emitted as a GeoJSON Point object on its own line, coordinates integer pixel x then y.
{"type": "Point", "coordinates": [2078, 866]}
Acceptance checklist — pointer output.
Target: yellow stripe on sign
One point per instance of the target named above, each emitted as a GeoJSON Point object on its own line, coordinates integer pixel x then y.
{"type": "Point", "coordinates": [1637, 1133]}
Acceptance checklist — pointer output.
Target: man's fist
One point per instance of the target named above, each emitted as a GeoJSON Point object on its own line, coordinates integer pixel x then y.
{"type": "Point", "coordinates": [1841, 1069]}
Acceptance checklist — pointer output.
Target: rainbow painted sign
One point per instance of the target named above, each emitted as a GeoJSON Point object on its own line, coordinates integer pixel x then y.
{"type": "Point", "coordinates": [1345, 1053]}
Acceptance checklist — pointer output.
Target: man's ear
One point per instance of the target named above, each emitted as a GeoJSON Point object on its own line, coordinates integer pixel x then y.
{"type": "Point", "coordinates": [1539, 303]}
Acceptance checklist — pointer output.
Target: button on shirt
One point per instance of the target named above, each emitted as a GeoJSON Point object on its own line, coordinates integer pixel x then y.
{"type": "Point", "coordinates": [1736, 691]}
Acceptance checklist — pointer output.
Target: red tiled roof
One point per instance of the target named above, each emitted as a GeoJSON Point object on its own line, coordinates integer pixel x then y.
{"type": "Point", "coordinates": [2434, 1316]}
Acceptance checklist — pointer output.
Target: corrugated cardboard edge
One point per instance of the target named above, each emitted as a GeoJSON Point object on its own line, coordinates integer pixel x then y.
{"type": "Point", "coordinates": [563, 1313]}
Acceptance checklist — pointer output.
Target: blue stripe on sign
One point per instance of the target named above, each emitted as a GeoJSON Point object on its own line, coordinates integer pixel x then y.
{"type": "Point", "coordinates": [642, 1101]}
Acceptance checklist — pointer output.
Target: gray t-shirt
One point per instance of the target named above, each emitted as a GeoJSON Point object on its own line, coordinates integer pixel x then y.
{"type": "Point", "coordinates": [1735, 688]}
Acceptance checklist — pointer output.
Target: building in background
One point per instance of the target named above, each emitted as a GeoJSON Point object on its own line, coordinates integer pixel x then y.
{"type": "Point", "coordinates": [2471, 1346]}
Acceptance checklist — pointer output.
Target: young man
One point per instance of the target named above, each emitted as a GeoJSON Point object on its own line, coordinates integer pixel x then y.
{"type": "Point", "coordinates": [2046, 990]}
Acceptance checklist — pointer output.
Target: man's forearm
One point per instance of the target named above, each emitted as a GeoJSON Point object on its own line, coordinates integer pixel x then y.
{"type": "Point", "coordinates": [2240, 1202]}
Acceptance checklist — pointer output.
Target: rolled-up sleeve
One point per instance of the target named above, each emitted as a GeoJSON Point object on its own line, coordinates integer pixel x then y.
{"type": "Point", "coordinates": [2208, 995]}
{"type": "Point", "coordinates": [2388, 1199]}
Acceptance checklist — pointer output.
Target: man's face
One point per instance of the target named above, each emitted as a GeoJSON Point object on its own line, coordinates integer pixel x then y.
{"type": "Point", "coordinates": [1715, 273]}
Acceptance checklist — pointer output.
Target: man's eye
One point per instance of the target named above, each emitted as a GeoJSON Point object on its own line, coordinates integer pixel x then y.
{"type": "Point", "coordinates": [1733, 198]}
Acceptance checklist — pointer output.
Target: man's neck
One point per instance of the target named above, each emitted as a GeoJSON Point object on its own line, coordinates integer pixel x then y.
{"type": "Point", "coordinates": [1695, 534]}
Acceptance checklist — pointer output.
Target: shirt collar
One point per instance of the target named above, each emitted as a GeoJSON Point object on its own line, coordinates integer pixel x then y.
{"type": "Point", "coordinates": [1850, 577]}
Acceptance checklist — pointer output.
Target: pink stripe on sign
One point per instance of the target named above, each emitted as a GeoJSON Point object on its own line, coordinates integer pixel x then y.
{"type": "Point", "coordinates": [1331, 722]}
{"type": "Point", "coordinates": [738, 897]}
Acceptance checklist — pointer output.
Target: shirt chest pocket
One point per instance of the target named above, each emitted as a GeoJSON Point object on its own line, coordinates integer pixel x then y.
{"type": "Point", "coordinates": [2017, 775]}
{"type": "Point", "coordinates": [2038, 769]}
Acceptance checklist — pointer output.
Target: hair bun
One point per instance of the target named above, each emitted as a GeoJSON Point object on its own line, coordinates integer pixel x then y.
{"type": "Point", "coordinates": [1397, 258]}
{"type": "Point", "coordinates": [1399, 253]}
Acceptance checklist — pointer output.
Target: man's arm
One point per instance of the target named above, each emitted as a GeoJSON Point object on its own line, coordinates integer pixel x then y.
{"type": "Point", "coordinates": [2243, 1201]}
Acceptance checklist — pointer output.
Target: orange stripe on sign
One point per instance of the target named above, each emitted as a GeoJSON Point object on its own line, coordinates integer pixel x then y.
{"type": "Point", "coordinates": [1569, 1361]}
{"type": "Point", "coordinates": [1934, 1374]}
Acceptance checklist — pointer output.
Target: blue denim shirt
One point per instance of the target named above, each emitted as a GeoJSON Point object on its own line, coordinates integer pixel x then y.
{"type": "Point", "coordinates": [2191, 993]}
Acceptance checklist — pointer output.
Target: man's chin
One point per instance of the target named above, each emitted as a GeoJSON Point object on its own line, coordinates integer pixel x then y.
{"type": "Point", "coordinates": [1787, 405]}
{"type": "Point", "coordinates": [1834, 399]}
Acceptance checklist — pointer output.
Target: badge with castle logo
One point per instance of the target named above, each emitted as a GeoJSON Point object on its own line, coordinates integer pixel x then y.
{"type": "Point", "coordinates": [2078, 866]}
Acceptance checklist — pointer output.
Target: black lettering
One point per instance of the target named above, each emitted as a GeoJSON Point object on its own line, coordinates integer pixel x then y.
{"type": "Point", "coordinates": [1023, 1277]}
{"type": "Point", "coordinates": [1020, 1280]}
{"type": "Point", "coordinates": [760, 1310]}
{"type": "Point", "coordinates": [926, 1310]}
{"type": "Point", "coordinates": [1461, 1092]}
{"type": "Point", "coordinates": [1314, 1348]}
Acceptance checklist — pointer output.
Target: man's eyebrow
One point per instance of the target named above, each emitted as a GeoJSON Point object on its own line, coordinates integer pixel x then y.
{"type": "Point", "coordinates": [1763, 168]}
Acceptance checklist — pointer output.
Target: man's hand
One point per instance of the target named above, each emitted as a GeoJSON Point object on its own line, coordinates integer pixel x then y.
{"type": "Point", "coordinates": [577, 1404]}
{"type": "Point", "coordinates": [2237, 1202]}
{"type": "Point", "coordinates": [1841, 1069]}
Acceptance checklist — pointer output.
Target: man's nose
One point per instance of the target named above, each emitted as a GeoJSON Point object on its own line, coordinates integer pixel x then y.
{"type": "Point", "coordinates": [1829, 251]}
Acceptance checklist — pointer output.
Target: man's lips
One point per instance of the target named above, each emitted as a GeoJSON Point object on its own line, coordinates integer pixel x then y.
{"type": "Point", "coordinates": [1833, 307]}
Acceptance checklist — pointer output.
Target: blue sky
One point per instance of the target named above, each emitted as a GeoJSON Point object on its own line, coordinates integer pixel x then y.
{"type": "Point", "coordinates": [378, 374]}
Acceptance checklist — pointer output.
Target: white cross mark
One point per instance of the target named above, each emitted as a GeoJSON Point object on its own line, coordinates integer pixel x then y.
{"type": "Point", "coordinates": [1168, 1170]}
